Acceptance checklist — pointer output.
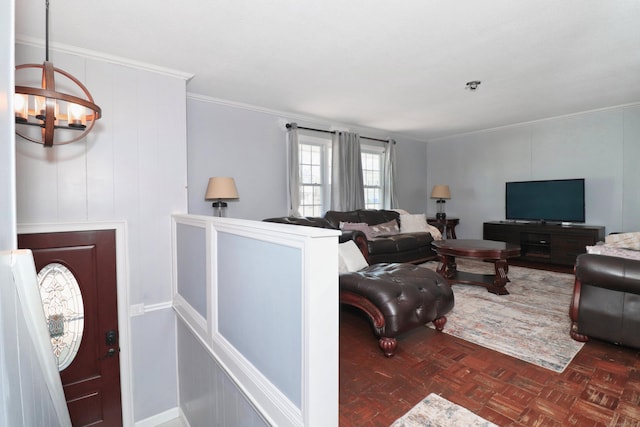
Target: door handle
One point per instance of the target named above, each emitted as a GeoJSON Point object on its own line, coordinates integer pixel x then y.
{"type": "Point", "coordinates": [110, 337]}
{"type": "Point", "coordinates": [110, 353]}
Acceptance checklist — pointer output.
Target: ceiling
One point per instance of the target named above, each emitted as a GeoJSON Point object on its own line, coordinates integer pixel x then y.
{"type": "Point", "coordinates": [400, 66]}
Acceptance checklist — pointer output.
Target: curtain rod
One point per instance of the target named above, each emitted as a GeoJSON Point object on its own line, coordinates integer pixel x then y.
{"type": "Point", "coordinates": [333, 131]}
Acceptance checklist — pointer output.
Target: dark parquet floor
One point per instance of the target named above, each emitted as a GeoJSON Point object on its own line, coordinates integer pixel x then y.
{"type": "Point", "coordinates": [601, 386]}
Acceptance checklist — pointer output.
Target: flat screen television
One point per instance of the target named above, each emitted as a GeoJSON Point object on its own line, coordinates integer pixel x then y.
{"type": "Point", "coordinates": [560, 200]}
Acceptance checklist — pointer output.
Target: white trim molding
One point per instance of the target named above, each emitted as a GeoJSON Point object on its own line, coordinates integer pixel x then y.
{"type": "Point", "coordinates": [101, 56]}
{"type": "Point", "coordinates": [122, 275]}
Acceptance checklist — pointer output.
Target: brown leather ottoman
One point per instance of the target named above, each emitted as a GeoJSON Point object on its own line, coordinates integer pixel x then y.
{"type": "Point", "coordinates": [397, 297]}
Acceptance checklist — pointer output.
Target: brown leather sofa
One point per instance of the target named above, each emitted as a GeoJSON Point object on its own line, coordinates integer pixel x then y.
{"type": "Point", "coordinates": [405, 247]}
{"type": "Point", "coordinates": [396, 295]}
{"type": "Point", "coordinates": [606, 300]}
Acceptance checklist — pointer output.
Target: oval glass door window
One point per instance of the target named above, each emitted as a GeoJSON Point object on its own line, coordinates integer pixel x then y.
{"type": "Point", "coordinates": [64, 311]}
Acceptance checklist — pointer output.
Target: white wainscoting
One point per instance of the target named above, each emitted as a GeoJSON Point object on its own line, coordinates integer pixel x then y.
{"type": "Point", "coordinates": [269, 317]}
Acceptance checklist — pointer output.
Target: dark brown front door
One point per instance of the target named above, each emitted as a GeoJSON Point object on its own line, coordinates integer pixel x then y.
{"type": "Point", "coordinates": [90, 364]}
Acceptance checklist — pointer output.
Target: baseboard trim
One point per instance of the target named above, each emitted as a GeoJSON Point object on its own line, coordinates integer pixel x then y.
{"type": "Point", "coordinates": [163, 417]}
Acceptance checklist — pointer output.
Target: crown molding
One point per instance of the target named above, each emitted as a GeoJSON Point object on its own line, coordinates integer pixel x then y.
{"type": "Point", "coordinates": [101, 56]}
{"type": "Point", "coordinates": [305, 120]}
{"type": "Point", "coordinates": [532, 122]}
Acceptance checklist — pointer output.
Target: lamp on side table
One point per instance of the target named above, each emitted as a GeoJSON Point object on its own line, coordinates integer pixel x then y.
{"type": "Point", "coordinates": [441, 192]}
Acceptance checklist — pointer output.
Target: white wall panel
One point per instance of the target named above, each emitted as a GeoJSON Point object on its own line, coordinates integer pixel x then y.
{"type": "Point", "coordinates": [631, 170]}
{"type": "Point", "coordinates": [131, 167]}
{"type": "Point", "coordinates": [71, 177]}
{"type": "Point", "coordinates": [154, 360]}
{"type": "Point", "coordinates": [7, 148]}
{"type": "Point", "coordinates": [101, 149]}
{"type": "Point", "coordinates": [598, 146]}
{"type": "Point", "coordinates": [587, 146]}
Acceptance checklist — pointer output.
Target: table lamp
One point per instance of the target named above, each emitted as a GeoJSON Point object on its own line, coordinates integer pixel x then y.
{"type": "Point", "coordinates": [440, 192]}
{"type": "Point", "coordinates": [220, 188]}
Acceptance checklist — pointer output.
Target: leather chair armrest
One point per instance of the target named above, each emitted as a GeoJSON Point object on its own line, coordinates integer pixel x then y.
{"type": "Point", "coordinates": [609, 272]}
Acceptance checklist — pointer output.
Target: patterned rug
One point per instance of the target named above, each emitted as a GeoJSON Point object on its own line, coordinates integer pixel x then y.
{"type": "Point", "coordinates": [531, 323]}
{"type": "Point", "coordinates": [436, 411]}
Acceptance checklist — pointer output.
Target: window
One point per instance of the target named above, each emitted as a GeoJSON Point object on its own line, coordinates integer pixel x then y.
{"type": "Point", "coordinates": [314, 175]}
{"type": "Point", "coordinates": [372, 158]}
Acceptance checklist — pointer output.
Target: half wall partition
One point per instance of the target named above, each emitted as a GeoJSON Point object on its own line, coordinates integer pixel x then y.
{"type": "Point", "coordinates": [257, 307]}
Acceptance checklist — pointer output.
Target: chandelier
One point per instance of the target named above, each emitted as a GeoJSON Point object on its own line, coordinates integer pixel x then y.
{"type": "Point", "coordinates": [52, 107]}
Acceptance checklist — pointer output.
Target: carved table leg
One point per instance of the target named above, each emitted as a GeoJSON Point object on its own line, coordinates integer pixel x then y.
{"type": "Point", "coordinates": [501, 278]}
{"type": "Point", "coordinates": [447, 267]}
{"type": "Point", "coordinates": [388, 345]}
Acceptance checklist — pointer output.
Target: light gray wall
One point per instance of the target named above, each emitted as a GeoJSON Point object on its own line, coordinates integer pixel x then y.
{"type": "Point", "coordinates": [600, 146]}
{"type": "Point", "coordinates": [208, 397]}
{"type": "Point", "coordinates": [7, 147]}
{"type": "Point", "coordinates": [250, 145]}
{"type": "Point", "coordinates": [131, 167]}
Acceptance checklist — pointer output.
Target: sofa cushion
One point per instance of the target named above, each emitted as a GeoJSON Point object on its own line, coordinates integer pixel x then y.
{"type": "Point", "coordinates": [377, 216]}
{"type": "Point", "coordinates": [399, 243]}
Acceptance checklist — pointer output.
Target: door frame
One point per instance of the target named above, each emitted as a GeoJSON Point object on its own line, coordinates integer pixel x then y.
{"type": "Point", "coordinates": [122, 276]}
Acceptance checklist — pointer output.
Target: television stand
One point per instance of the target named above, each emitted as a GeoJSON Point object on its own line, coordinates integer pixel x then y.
{"type": "Point", "coordinates": [545, 243]}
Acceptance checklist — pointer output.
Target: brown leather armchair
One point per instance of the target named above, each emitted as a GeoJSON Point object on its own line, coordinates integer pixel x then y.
{"type": "Point", "coordinates": [606, 300]}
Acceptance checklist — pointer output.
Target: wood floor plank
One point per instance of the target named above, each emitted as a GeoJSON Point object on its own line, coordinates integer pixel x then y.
{"type": "Point", "coordinates": [601, 386]}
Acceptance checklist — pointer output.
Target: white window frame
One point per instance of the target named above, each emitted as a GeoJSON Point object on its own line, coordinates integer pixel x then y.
{"type": "Point", "coordinates": [325, 171]}
{"type": "Point", "coordinates": [376, 150]}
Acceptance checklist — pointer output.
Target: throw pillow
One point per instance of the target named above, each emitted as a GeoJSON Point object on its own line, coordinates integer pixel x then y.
{"type": "Point", "coordinates": [623, 240]}
{"type": "Point", "coordinates": [413, 223]}
{"type": "Point", "coordinates": [385, 229]}
{"type": "Point", "coordinates": [360, 226]}
{"type": "Point", "coordinates": [351, 259]}
{"type": "Point", "coordinates": [613, 251]}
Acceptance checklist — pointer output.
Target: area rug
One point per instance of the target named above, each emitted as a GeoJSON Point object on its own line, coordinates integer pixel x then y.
{"type": "Point", "coordinates": [436, 411]}
{"type": "Point", "coordinates": [531, 323]}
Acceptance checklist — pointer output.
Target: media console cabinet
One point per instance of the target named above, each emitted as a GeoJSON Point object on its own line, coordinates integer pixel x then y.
{"type": "Point", "coordinates": [549, 243]}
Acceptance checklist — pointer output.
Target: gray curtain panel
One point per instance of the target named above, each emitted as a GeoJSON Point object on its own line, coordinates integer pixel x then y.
{"type": "Point", "coordinates": [347, 188]}
{"type": "Point", "coordinates": [294, 170]}
{"type": "Point", "coordinates": [389, 200]}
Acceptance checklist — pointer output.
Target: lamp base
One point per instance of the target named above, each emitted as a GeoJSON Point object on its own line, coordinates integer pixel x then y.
{"type": "Point", "coordinates": [219, 207]}
{"type": "Point", "coordinates": [441, 216]}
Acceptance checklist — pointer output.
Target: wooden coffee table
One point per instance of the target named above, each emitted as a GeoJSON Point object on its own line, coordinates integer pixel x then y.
{"type": "Point", "coordinates": [497, 252]}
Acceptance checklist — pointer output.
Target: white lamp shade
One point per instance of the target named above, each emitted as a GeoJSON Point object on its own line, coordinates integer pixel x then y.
{"type": "Point", "coordinates": [221, 187]}
{"type": "Point", "coordinates": [440, 192]}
